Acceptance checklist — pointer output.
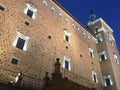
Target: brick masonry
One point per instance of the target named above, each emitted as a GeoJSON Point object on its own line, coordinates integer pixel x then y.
{"type": "Point", "coordinates": [42, 52]}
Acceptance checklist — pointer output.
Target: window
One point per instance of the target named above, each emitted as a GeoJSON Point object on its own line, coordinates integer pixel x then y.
{"type": "Point", "coordinates": [60, 15]}
{"type": "Point", "coordinates": [67, 20]}
{"type": "Point", "coordinates": [67, 36]}
{"type": "Point", "coordinates": [52, 9]}
{"type": "Point", "coordinates": [84, 34]}
{"type": "Point", "coordinates": [99, 37]}
{"type": "Point", "coordinates": [116, 59]}
{"type": "Point", "coordinates": [30, 10]}
{"type": "Point", "coordinates": [108, 33]}
{"type": "Point", "coordinates": [78, 29]}
{"type": "Point", "coordinates": [14, 61]}
{"type": "Point", "coordinates": [21, 41]}
{"type": "Point", "coordinates": [96, 30]}
{"type": "Point", "coordinates": [107, 80]}
{"type": "Point", "coordinates": [73, 25]}
{"type": "Point", "coordinates": [94, 77]}
{"type": "Point", "coordinates": [27, 23]}
{"type": "Point", "coordinates": [44, 2]}
{"type": "Point", "coordinates": [30, 13]}
{"type": "Point", "coordinates": [66, 63]}
{"type": "Point", "coordinates": [110, 41]}
{"type": "Point", "coordinates": [91, 52]}
{"type": "Point", "coordinates": [2, 8]}
{"type": "Point", "coordinates": [49, 36]}
{"type": "Point", "coordinates": [102, 56]}
{"type": "Point", "coordinates": [89, 37]}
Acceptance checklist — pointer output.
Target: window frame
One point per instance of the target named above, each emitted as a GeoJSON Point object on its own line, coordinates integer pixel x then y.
{"type": "Point", "coordinates": [26, 38]}
{"type": "Point", "coordinates": [99, 37]}
{"type": "Point", "coordinates": [69, 64]}
{"type": "Point", "coordinates": [66, 33]}
{"type": "Point", "coordinates": [102, 53]}
{"type": "Point", "coordinates": [111, 41]}
{"type": "Point", "coordinates": [53, 9]}
{"type": "Point", "coordinates": [44, 2]}
{"type": "Point", "coordinates": [96, 30]}
{"type": "Point", "coordinates": [94, 77]}
{"type": "Point", "coordinates": [31, 8]}
{"type": "Point", "coordinates": [14, 62]}
{"type": "Point", "coordinates": [116, 58]}
{"type": "Point", "coordinates": [104, 80]}
{"type": "Point", "coordinates": [91, 52]}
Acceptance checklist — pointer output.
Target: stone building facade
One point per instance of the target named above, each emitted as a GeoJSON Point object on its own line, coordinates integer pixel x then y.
{"type": "Point", "coordinates": [36, 33]}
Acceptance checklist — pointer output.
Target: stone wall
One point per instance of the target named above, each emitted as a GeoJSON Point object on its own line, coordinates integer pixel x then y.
{"type": "Point", "coordinates": [42, 51]}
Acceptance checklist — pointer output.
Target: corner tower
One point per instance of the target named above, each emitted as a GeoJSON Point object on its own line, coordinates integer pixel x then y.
{"type": "Point", "coordinates": [108, 54]}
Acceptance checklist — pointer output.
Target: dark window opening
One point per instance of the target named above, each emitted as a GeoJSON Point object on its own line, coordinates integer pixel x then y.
{"type": "Point", "coordinates": [66, 47]}
{"type": "Point", "coordinates": [14, 61]}
{"type": "Point", "coordinates": [66, 65]}
{"type": "Point", "coordinates": [20, 43]}
{"type": "Point", "coordinates": [94, 78]}
{"type": "Point", "coordinates": [67, 38]}
{"type": "Point", "coordinates": [107, 82]}
{"type": "Point", "coordinates": [30, 13]}
{"type": "Point", "coordinates": [91, 54]}
{"type": "Point", "coordinates": [81, 55]}
{"type": "Point", "coordinates": [92, 62]}
{"type": "Point", "coordinates": [27, 23]}
{"type": "Point", "coordinates": [99, 39]}
{"type": "Point", "coordinates": [96, 30]}
{"type": "Point", "coordinates": [2, 8]}
{"type": "Point", "coordinates": [49, 36]}
{"type": "Point", "coordinates": [103, 57]}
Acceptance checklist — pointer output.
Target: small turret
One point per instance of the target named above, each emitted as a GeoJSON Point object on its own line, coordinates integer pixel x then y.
{"type": "Point", "coordinates": [92, 17]}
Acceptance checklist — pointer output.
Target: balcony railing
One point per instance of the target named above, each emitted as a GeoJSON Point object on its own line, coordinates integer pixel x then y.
{"type": "Point", "coordinates": [78, 79]}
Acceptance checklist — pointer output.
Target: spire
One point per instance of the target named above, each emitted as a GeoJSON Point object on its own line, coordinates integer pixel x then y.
{"type": "Point", "coordinates": [92, 17]}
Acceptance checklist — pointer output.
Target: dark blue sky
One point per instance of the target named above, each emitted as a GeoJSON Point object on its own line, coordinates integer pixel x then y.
{"type": "Point", "coordinates": [109, 10]}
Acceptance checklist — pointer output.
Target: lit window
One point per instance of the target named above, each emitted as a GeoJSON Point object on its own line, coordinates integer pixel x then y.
{"type": "Point", "coordinates": [21, 41]}
{"type": "Point", "coordinates": [52, 9]}
{"type": "Point", "coordinates": [66, 63]}
{"type": "Point", "coordinates": [94, 77]}
{"type": "Point", "coordinates": [67, 20]}
{"type": "Point", "coordinates": [67, 36]}
{"type": "Point", "coordinates": [107, 80]}
{"type": "Point", "coordinates": [91, 52]}
{"type": "Point", "coordinates": [30, 10]}
{"type": "Point", "coordinates": [84, 34]}
{"type": "Point", "coordinates": [44, 2]}
{"type": "Point", "coordinates": [78, 29]}
{"type": "Point", "coordinates": [116, 59]}
{"type": "Point", "coordinates": [73, 25]}
{"type": "Point", "coordinates": [99, 37]}
{"type": "Point", "coordinates": [102, 56]}
{"type": "Point", "coordinates": [60, 15]}
{"type": "Point", "coordinates": [14, 61]}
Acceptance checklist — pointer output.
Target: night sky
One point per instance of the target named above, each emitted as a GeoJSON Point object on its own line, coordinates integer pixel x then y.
{"type": "Point", "coordinates": [108, 10]}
